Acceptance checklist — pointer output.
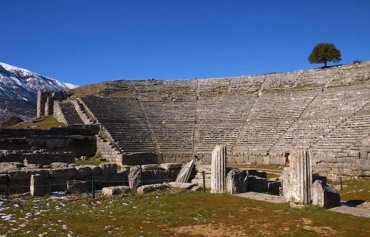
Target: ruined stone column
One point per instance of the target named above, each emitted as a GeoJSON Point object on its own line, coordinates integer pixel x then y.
{"type": "Point", "coordinates": [49, 104]}
{"type": "Point", "coordinates": [39, 185]}
{"type": "Point", "coordinates": [218, 169]}
{"type": "Point", "coordinates": [40, 104]}
{"type": "Point", "coordinates": [300, 178]}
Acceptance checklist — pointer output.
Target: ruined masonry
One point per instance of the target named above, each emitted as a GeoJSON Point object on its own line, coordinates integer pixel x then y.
{"type": "Point", "coordinates": [300, 180]}
{"type": "Point", "coordinates": [45, 102]}
{"type": "Point", "coordinates": [261, 118]}
{"type": "Point", "coordinates": [218, 169]}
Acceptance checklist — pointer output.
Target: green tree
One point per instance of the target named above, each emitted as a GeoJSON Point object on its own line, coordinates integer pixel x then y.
{"type": "Point", "coordinates": [324, 53]}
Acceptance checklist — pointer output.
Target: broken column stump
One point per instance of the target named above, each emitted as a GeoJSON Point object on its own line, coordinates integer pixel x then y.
{"type": "Point", "coordinates": [218, 169]}
{"type": "Point", "coordinates": [185, 172]}
{"type": "Point", "coordinates": [39, 185]}
{"type": "Point", "coordinates": [236, 181]}
{"type": "Point", "coordinates": [324, 195]}
{"type": "Point", "coordinates": [135, 178]}
{"type": "Point", "coordinates": [300, 178]}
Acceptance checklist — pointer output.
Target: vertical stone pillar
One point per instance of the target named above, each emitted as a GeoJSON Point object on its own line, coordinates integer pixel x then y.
{"type": "Point", "coordinates": [218, 169]}
{"type": "Point", "coordinates": [300, 178]}
{"type": "Point", "coordinates": [39, 185]}
{"type": "Point", "coordinates": [40, 104]}
{"type": "Point", "coordinates": [49, 105]}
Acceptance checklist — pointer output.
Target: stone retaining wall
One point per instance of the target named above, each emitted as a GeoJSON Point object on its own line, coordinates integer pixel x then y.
{"type": "Point", "coordinates": [17, 180]}
{"type": "Point", "coordinates": [47, 146]}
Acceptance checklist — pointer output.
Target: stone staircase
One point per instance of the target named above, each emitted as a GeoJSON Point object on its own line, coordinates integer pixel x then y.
{"type": "Point", "coordinates": [70, 114]}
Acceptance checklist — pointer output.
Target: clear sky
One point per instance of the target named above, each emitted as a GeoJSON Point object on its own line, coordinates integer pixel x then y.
{"type": "Point", "coordinates": [86, 41]}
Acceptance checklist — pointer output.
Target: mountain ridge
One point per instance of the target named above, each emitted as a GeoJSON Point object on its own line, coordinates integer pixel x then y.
{"type": "Point", "coordinates": [18, 90]}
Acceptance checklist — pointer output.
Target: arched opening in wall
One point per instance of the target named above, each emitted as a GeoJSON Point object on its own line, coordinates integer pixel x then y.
{"type": "Point", "coordinates": [286, 158]}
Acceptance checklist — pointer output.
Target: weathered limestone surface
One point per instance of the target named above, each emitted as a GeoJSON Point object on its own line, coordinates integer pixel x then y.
{"type": "Point", "coordinates": [324, 195]}
{"type": "Point", "coordinates": [218, 169]}
{"type": "Point", "coordinates": [185, 172]}
{"type": "Point", "coordinates": [39, 146]}
{"type": "Point", "coordinates": [135, 178]}
{"type": "Point", "coordinates": [78, 186]}
{"type": "Point", "coordinates": [361, 212]}
{"type": "Point", "coordinates": [45, 101]}
{"type": "Point", "coordinates": [115, 190]}
{"type": "Point", "coordinates": [181, 185]}
{"type": "Point", "coordinates": [151, 188]}
{"type": "Point", "coordinates": [16, 178]}
{"type": "Point", "coordinates": [108, 168]}
{"type": "Point", "coordinates": [300, 178]}
{"type": "Point", "coordinates": [40, 185]}
{"type": "Point", "coordinates": [65, 112]}
{"type": "Point", "coordinates": [236, 181]}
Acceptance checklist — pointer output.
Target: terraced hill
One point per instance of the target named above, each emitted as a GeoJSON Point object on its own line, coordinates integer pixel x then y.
{"type": "Point", "coordinates": [260, 118]}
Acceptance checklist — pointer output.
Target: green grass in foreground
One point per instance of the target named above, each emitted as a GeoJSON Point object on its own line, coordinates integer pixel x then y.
{"type": "Point", "coordinates": [43, 123]}
{"type": "Point", "coordinates": [95, 160]}
{"type": "Point", "coordinates": [181, 214]}
{"type": "Point", "coordinates": [356, 189]}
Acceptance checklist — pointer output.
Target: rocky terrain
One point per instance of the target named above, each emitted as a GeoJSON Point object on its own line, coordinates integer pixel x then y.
{"type": "Point", "coordinates": [18, 88]}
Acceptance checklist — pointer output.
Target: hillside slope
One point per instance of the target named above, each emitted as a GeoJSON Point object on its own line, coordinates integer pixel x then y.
{"type": "Point", "coordinates": [18, 89]}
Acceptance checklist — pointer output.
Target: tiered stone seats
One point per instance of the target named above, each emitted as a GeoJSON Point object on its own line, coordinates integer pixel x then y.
{"type": "Point", "coordinates": [170, 110]}
{"type": "Point", "coordinates": [270, 117]}
{"type": "Point", "coordinates": [70, 114]}
{"type": "Point", "coordinates": [219, 119]}
{"type": "Point", "coordinates": [321, 109]}
{"type": "Point", "coordinates": [172, 124]}
{"type": "Point", "coordinates": [324, 114]}
{"type": "Point", "coordinates": [124, 121]}
{"type": "Point", "coordinates": [349, 134]}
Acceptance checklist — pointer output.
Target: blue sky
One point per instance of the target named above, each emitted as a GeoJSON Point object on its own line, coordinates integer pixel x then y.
{"type": "Point", "coordinates": [89, 41]}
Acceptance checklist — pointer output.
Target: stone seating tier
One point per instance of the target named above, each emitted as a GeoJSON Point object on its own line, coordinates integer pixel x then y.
{"type": "Point", "coordinates": [253, 115]}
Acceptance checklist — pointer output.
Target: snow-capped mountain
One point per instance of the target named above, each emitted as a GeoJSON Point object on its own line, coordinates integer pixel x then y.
{"type": "Point", "coordinates": [18, 90]}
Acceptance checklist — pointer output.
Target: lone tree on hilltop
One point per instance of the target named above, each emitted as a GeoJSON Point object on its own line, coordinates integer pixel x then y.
{"type": "Point", "coordinates": [324, 53]}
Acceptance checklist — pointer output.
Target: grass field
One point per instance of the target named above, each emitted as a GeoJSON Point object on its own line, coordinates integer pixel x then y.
{"type": "Point", "coordinates": [170, 214]}
{"type": "Point", "coordinates": [356, 189]}
{"type": "Point", "coordinates": [43, 123]}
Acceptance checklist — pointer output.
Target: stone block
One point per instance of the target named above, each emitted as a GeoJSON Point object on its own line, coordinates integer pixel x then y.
{"type": "Point", "coordinates": [115, 190]}
{"type": "Point", "coordinates": [257, 184]}
{"type": "Point", "coordinates": [151, 188]}
{"type": "Point", "coordinates": [171, 166]}
{"type": "Point", "coordinates": [185, 172]}
{"type": "Point", "coordinates": [257, 173]}
{"type": "Point", "coordinates": [149, 167]}
{"type": "Point", "coordinates": [59, 165]}
{"type": "Point", "coordinates": [39, 185]}
{"type": "Point", "coordinates": [135, 177]}
{"type": "Point", "coordinates": [78, 186]}
{"type": "Point", "coordinates": [236, 181]}
{"type": "Point", "coordinates": [108, 168]}
{"type": "Point", "coordinates": [324, 195]}
{"type": "Point", "coordinates": [19, 175]}
{"type": "Point", "coordinates": [84, 172]}
{"type": "Point", "coordinates": [273, 187]}
{"type": "Point", "coordinates": [181, 185]}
